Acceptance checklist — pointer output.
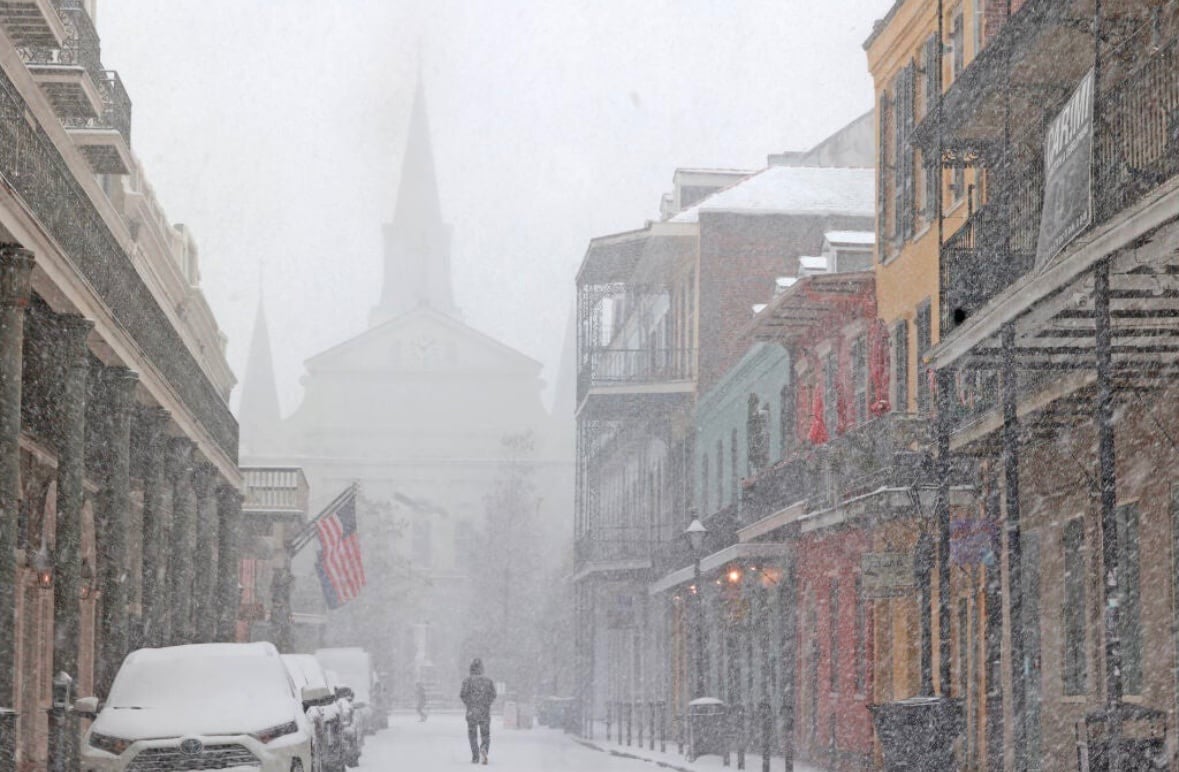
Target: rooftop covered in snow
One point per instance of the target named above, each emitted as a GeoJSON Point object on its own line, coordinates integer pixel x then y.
{"type": "Point", "coordinates": [794, 190]}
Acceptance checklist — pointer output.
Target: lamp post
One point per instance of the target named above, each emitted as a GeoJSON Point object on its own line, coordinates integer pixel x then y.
{"type": "Point", "coordinates": [696, 533]}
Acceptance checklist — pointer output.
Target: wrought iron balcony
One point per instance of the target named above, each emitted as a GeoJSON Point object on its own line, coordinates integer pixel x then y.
{"type": "Point", "coordinates": [105, 139]}
{"type": "Point", "coordinates": [613, 549]}
{"type": "Point", "coordinates": [32, 23]}
{"type": "Point", "coordinates": [624, 370]}
{"type": "Point", "coordinates": [890, 452]}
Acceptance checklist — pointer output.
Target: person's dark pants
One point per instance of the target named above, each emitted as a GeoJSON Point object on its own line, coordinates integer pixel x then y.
{"type": "Point", "coordinates": [475, 728]}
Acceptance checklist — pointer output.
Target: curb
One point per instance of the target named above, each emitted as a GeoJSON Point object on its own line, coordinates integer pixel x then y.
{"type": "Point", "coordinates": [626, 755]}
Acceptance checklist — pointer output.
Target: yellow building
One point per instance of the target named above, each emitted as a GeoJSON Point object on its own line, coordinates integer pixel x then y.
{"type": "Point", "coordinates": [910, 71]}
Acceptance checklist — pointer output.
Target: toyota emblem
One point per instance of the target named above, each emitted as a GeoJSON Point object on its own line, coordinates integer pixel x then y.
{"type": "Point", "coordinates": [191, 746]}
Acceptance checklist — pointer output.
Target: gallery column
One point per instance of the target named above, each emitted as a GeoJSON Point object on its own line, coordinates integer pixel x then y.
{"type": "Point", "coordinates": [156, 503]}
{"type": "Point", "coordinates": [181, 543]}
{"type": "Point", "coordinates": [73, 354]}
{"type": "Point", "coordinates": [16, 265]}
{"type": "Point", "coordinates": [204, 586]}
{"type": "Point", "coordinates": [229, 510]}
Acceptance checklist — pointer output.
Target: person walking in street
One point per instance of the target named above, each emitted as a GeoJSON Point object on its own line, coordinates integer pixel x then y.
{"type": "Point", "coordinates": [477, 694]}
{"type": "Point", "coordinates": [421, 696]}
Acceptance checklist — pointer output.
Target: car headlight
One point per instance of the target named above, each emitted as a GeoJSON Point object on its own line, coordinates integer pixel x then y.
{"type": "Point", "coordinates": [274, 732]}
{"type": "Point", "coordinates": [112, 745]}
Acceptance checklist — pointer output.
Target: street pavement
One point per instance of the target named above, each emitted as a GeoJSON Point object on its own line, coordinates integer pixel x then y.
{"type": "Point", "coordinates": [440, 743]}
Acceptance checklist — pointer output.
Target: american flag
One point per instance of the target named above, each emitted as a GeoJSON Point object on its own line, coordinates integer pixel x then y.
{"type": "Point", "coordinates": [341, 572]}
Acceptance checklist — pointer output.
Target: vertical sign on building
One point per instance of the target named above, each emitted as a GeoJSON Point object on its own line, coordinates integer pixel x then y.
{"type": "Point", "coordinates": [1068, 177]}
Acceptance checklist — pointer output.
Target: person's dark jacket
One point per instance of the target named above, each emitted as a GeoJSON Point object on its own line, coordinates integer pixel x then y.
{"type": "Point", "coordinates": [477, 694]}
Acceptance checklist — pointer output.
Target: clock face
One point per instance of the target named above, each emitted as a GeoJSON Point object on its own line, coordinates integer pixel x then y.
{"type": "Point", "coordinates": [425, 349]}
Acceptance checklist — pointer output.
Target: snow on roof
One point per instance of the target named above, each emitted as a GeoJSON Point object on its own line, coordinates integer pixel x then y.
{"type": "Point", "coordinates": [785, 282]}
{"type": "Point", "coordinates": [758, 308]}
{"type": "Point", "coordinates": [794, 190]}
{"type": "Point", "coordinates": [865, 238]}
{"type": "Point", "coordinates": [812, 264]}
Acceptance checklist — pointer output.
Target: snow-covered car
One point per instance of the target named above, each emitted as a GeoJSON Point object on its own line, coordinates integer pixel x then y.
{"type": "Point", "coordinates": [355, 669]}
{"type": "Point", "coordinates": [353, 736]}
{"type": "Point", "coordinates": [203, 706]}
{"type": "Point", "coordinates": [319, 703]}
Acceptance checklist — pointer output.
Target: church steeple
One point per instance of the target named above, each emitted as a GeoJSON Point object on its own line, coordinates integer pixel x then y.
{"type": "Point", "coordinates": [259, 416]}
{"type": "Point", "coordinates": [417, 241]}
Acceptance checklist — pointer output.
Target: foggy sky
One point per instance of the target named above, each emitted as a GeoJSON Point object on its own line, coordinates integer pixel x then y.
{"type": "Point", "coordinates": [274, 130]}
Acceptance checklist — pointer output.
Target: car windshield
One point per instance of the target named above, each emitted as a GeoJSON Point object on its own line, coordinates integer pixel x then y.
{"type": "Point", "coordinates": [161, 682]}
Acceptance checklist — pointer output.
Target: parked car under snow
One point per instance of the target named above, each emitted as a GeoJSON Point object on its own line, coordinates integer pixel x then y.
{"type": "Point", "coordinates": [204, 706]}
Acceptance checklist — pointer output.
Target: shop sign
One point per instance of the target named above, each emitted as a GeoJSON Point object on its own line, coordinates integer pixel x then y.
{"type": "Point", "coordinates": [973, 540]}
{"type": "Point", "coordinates": [886, 574]}
{"type": "Point", "coordinates": [1068, 174]}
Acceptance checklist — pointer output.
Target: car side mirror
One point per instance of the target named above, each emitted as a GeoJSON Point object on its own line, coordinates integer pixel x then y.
{"type": "Point", "coordinates": [315, 695]}
{"type": "Point", "coordinates": [86, 707]}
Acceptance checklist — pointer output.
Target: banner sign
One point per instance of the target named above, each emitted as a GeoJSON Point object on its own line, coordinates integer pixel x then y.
{"type": "Point", "coordinates": [1068, 174]}
{"type": "Point", "coordinates": [973, 541]}
{"type": "Point", "coordinates": [886, 574]}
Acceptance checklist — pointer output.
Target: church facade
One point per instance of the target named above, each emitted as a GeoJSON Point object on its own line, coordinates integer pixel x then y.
{"type": "Point", "coordinates": [417, 410]}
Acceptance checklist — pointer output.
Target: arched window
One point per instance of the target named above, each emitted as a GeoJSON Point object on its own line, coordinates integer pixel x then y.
{"type": "Point", "coordinates": [704, 485]}
{"type": "Point", "coordinates": [787, 419]}
{"type": "Point", "coordinates": [757, 435]}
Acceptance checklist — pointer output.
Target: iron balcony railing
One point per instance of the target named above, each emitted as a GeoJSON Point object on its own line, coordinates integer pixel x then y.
{"type": "Point", "coordinates": [889, 451]}
{"type": "Point", "coordinates": [1135, 151]}
{"type": "Point", "coordinates": [613, 544]}
{"type": "Point", "coordinates": [619, 367]}
{"type": "Point", "coordinates": [116, 113]}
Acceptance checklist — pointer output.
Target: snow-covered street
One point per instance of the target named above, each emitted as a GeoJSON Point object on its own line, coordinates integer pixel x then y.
{"type": "Point", "coordinates": [441, 744]}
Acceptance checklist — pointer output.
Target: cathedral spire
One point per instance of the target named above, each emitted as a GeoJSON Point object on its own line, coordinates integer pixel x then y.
{"type": "Point", "coordinates": [259, 416]}
{"type": "Point", "coordinates": [417, 241]}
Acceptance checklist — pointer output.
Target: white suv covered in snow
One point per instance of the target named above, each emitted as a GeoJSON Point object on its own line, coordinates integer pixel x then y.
{"type": "Point", "coordinates": [206, 706]}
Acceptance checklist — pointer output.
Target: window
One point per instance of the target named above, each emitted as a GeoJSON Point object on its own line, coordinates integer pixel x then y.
{"type": "Point", "coordinates": [833, 630]}
{"type": "Point", "coordinates": [861, 621]}
{"type": "Point", "coordinates": [924, 341]}
{"type": "Point", "coordinates": [905, 87]}
{"type": "Point", "coordinates": [757, 434]}
{"type": "Point", "coordinates": [980, 15]}
{"type": "Point", "coordinates": [734, 469]}
{"type": "Point", "coordinates": [831, 393]}
{"type": "Point", "coordinates": [704, 502]}
{"type": "Point", "coordinates": [1130, 617]}
{"type": "Point", "coordinates": [882, 176]}
{"type": "Point", "coordinates": [1073, 671]}
{"type": "Point", "coordinates": [957, 44]}
{"type": "Point", "coordinates": [859, 363]}
{"type": "Point", "coordinates": [720, 473]}
{"type": "Point", "coordinates": [900, 364]}
{"type": "Point", "coordinates": [787, 420]}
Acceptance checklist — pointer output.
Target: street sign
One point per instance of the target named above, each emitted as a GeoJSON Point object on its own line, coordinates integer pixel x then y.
{"type": "Point", "coordinates": [886, 574]}
{"type": "Point", "coordinates": [1068, 174]}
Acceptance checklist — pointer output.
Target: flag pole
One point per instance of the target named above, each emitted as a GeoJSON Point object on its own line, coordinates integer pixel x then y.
{"type": "Point", "coordinates": [300, 540]}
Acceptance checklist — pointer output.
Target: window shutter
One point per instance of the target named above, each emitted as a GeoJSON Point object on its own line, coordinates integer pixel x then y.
{"type": "Point", "coordinates": [882, 178]}
{"type": "Point", "coordinates": [908, 192]}
{"type": "Point", "coordinates": [899, 139]}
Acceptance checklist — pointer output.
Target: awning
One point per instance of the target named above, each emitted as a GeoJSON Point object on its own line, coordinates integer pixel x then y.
{"type": "Point", "coordinates": [718, 560]}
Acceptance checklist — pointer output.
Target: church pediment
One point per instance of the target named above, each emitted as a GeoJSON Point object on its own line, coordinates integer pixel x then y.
{"type": "Point", "coordinates": [423, 340]}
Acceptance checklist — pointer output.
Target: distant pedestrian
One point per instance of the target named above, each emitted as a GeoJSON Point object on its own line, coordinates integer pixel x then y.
{"type": "Point", "coordinates": [421, 695]}
{"type": "Point", "coordinates": [477, 694]}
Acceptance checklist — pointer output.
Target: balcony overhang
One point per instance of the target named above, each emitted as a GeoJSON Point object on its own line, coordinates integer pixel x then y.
{"type": "Point", "coordinates": [635, 400]}
{"type": "Point", "coordinates": [612, 569]}
{"type": "Point", "coordinates": [647, 256]}
{"type": "Point", "coordinates": [32, 23]}
{"type": "Point", "coordinates": [811, 303]}
{"type": "Point", "coordinates": [718, 560]}
{"type": "Point", "coordinates": [1029, 69]}
{"type": "Point", "coordinates": [70, 89]}
{"type": "Point", "coordinates": [105, 149]}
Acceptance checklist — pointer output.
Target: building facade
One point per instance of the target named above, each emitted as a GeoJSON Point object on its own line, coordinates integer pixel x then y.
{"type": "Point", "coordinates": [119, 451]}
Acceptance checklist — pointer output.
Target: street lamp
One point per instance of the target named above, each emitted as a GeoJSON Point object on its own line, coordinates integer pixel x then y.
{"type": "Point", "coordinates": [696, 533]}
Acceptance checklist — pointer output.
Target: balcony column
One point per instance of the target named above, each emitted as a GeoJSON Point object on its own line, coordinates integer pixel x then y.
{"type": "Point", "coordinates": [788, 613]}
{"type": "Point", "coordinates": [1011, 454]}
{"type": "Point", "coordinates": [16, 265]}
{"type": "Point", "coordinates": [70, 332]}
{"type": "Point", "coordinates": [119, 396]}
{"type": "Point", "coordinates": [204, 603]}
{"type": "Point", "coordinates": [229, 511]}
{"type": "Point", "coordinates": [157, 502]}
{"type": "Point", "coordinates": [182, 542]}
